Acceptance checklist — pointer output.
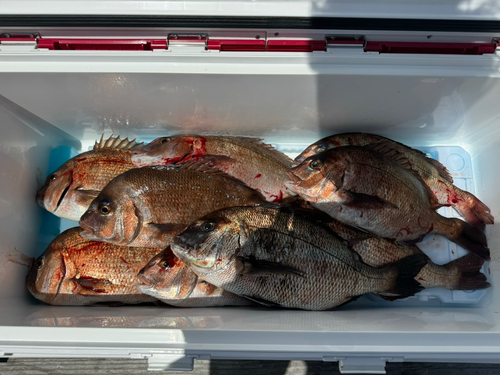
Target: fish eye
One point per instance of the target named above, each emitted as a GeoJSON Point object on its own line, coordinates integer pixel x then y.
{"type": "Point", "coordinates": [165, 140]}
{"type": "Point", "coordinates": [165, 264]}
{"type": "Point", "coordinates": [208, 226]}
{"type": "Point", "coordinates": [39, 263]}
{"type": "Point", "coordinates": [52, 177]}
{"type": "Point", "coordinates": [316, 164]}
{"type": "Point", "coordinates": [104, 207]}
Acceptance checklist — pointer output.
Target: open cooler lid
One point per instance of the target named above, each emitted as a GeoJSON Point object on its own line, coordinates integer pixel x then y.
{"type": "Point", "coordinates": [396, 9]}
{"type": "Point", "coordinates": [351, 11]}
{"type": "Point", "coordinates": [451, 27]}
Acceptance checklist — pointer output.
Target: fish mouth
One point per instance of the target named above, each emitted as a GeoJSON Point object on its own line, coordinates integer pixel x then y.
{"type": "Point", "coordinates": [144, 281]}
{"type": "Point", "coordinates": [180, 250]}
{"type": "Point", "coordinates": [298, 160]}
{"type": "Point", "coordinates": [90, 237]}
{"type": "Point", "coordinates": [293, 177]}
{"type": "Point", "coordinates": [86, 227]}
{"type": "Point", "coordinates": [40, 196]}
{"type": "Point", "coordinates": [184, 253]}
{"type": "Point", "coordinates": [65, 191]}
{"type": "Point", "coordinates": [88, 232]}
{"type": "Point", "coordinates": [143, 288]}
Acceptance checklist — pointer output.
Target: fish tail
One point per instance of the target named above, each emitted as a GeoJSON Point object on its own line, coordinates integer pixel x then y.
{"type": "Point", "coordinates": [472, 209]}
{"type": "Point", "coordinates": [404, 270]}
{"type": "Point", "coordinates": [463, 234]}
{"type": "Point", "coordinates": [460, 274]}
{"type": "Point", "coordinates": [467, 273]}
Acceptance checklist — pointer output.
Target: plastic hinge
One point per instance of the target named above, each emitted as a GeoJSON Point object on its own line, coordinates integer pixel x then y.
{"type": "Point", "coordinates": [431, 48]}
{"type": "Point", "coordinates": [188, 42]}
{"type": "Point", "coordinates": [237, 45]}
{"type": "Point", "coordinates": [103, 44]}
{"type": "Point", "coordinates": [296, 45]}
{"type": "Point", "coordinates": [345, 41]}
{"type": "Point", "coordinates": [362, 365]}
{"type": "Point", "coordinates": [170, 361]}
{"type": "Point", "coordinates": [18, 35]}
{"type": "Point", "coordinates": [17, 44]}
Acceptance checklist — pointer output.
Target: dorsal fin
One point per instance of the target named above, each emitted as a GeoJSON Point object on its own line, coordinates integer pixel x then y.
{"type": "Point", "coordinates": [260, 142]}
{"type": "Point", "coordinates": [387, 148]}
{"type": "Point", "coordinates": [441, 169]}
{"type": "Point", "coordinates": [443, 172]}
{"type": "Point", "coordinates": [116, 142]}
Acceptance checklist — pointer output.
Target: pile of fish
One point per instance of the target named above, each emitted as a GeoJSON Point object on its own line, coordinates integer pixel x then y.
{"type": "Point", "coordinates": [195, 221]}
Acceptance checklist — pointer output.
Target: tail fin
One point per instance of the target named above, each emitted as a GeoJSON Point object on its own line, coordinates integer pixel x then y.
{"type": "Point", "coordinates": [472, 209]}
{"type": "Point", "coordinates": [405, 284]}
{"type": "Point", "coordinates": [467, 269]}
{"type": "Point", "coordinates": [463, 234]}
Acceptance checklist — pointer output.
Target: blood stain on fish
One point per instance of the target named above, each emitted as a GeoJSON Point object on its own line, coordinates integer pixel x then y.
{"type": "Point", "coordinates": [168, 161]}
{"type": "Point", "coordinates": [258, 176]}
{"type": "Point", "coordinates": [361, 214]}
{"type": "Point", "coordinates": [277, 198]}
{"type": "Point", "coordinates": [451, 197]}
{"type": "Point", "coordinates": [407, 230]}
{"type": "Point", "coordinates": [80, 159]}
{"type": "Point", "coordinates": [200, 150]}
{"type": "Point", "coordinates": [124, 261]}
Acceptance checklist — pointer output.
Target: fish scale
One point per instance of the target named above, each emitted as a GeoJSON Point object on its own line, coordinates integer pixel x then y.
{"type": "Point", "coordinates": [171, 281]}
{"type": "Point", "coordinates": [432, 173]}
{"type": "Point", "coordinates": [330, 272]}
{"type": "Point", "coordinates": [151, 204]}
{"type": "Point", "coordinates": [366, 189]}
{"type": "Point", "coordinates": [258, 165]}
{"type": "Point", "coordinates": [70, 190]}
{"type": "Point", "coordinates": [75, 271]}
{"type": "Point", "coordinates": [461, 274]}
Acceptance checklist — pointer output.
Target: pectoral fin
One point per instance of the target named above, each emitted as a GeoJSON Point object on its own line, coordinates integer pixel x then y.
{"type": "Point", "coordinates": [262, 301]}
{"type": "Point", "coordinates": [249, 266]}
{"type": "Point", "coordinates": [168, 228]}
{"type": "Point", "coordinates": [86, 196]}
{"type": "Point", "coordinates": [90, 285]}
{"type": "Point", "coordinates": [214, 160]}
{"type": "Point", "coordinates": [363, 201]}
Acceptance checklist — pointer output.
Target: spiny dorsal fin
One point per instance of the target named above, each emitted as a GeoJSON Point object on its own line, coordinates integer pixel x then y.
{"type": "Point", "coordinates": [116, 142]}
{"type": "Point", "coordinates": [443, 172]}
{"type": "Point", "coordinates": [387, 148]}
{"type": "Point", "coordinates": [441, 169]}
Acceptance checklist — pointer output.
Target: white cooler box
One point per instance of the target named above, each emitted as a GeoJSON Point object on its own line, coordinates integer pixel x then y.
{"type": "Point", "coordinates": [289, 72]}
